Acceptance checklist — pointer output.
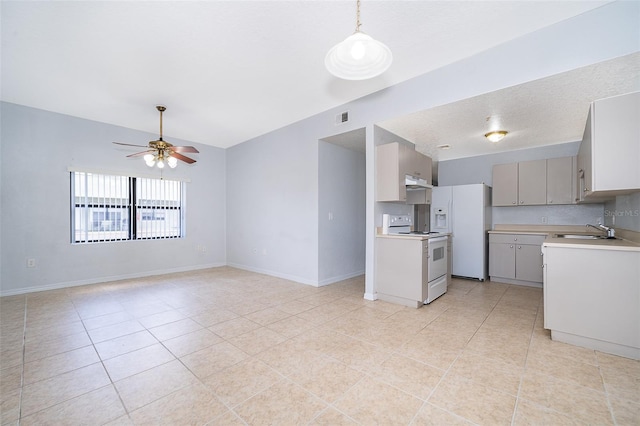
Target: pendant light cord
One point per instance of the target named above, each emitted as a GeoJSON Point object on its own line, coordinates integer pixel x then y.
{"type": "Point", "coordinates": [358, 24]}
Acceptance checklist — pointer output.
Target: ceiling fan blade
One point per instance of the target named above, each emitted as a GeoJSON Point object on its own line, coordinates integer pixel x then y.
{"type": "Point", "coordinates": [183, 158]}
{"type": "Point", "coordinates": [128, 144]}
{"type": "Point", "coordinates": [140, 154]}
{"type": "Point", "coordinates": [183, 149]}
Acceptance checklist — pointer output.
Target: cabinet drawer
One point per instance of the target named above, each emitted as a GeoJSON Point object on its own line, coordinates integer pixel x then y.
{"type": "Point", "coordinates": [516, 239]}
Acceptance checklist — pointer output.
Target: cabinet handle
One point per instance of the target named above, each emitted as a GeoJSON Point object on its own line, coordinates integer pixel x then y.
{"type": "Point", "coordinates": [513, 202]}
{"type": "Point", "coordinates": [521, 202]}
{"type": "Point", "coordinates": [515, 238]}
{"type": "Point", "coordinates": [519, 247]}
{"type": "Point", "coordinates": [511, 246]}
{"type": "Point", "coordinates": [550, 201]}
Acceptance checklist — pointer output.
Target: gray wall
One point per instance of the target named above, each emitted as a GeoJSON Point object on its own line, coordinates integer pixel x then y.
{"type": "Point", "coordinates": [37, 149]}
{"type": "Point", "coordinates": [342, 213]}
{"type": "Point", "coordinates": [479, 169]}
{"type": "Point", "coordinates": [272, 204]}
{"type": "Point", "coordinates": [624, 212]}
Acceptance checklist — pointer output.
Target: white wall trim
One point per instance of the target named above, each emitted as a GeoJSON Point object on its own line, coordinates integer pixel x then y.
{"type": "Point", "coordinates": [100, 280]}
{"type": "Point", "coordinates": [274, 274]}
{"type": "Point", "coordinates": [371, 296]}
{"type": "Point", "coordinates": [339, 278]}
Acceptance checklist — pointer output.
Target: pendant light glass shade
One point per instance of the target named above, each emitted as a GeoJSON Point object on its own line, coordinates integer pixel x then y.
{"type": "Point", "coordinates": [358, 57]}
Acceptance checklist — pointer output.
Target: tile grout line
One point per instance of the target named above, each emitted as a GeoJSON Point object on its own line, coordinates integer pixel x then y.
{"type": "Point", "coordinates": [606, 392]}
{"type": "Point", "coordinates": [112, 384]}
{"type": "Point", "coordinates": [524, 368]}
{"type": "Point", "coordinates": [24, 351]}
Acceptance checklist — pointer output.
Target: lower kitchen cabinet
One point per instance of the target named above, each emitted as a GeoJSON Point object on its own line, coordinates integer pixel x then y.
{"type": "Point", "coordinates": [516, 259]}
{"type": "Point", "coordinates": [401, 271]}
{"type": "Point", "coordinates": [592, 297]}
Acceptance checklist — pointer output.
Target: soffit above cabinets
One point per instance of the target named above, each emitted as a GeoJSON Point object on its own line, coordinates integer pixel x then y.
{"type": "Point", "coordinates": [548, 111]}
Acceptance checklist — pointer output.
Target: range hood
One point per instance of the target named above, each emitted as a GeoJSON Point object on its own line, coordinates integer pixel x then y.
{"type": "Point", "coordinates": [412, 182]}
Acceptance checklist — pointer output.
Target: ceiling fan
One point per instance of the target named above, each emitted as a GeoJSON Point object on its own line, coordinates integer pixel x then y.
{"type": "Point", "coordinates": [159, 151]}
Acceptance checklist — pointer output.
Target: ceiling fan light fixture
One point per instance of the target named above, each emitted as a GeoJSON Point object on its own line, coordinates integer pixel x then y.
{"type": "Point", "coordinates": [359, 56]}
{"type": "Point", "coordinates": [160, 152]}
{"type": "Point", "coordinates": [496, 135]}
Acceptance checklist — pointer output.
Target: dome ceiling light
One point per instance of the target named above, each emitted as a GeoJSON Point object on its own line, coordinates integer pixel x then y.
{"type": "Point", "coordinates": [359, 56]}
{"type": "Point", "coordinates": [496, 135]}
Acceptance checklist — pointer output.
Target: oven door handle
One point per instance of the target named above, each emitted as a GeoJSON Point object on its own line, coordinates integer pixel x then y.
{"type": "Point", "coordinates": [437, 239]}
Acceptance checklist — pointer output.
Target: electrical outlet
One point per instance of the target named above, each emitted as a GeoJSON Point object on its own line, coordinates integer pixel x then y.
{"type": "Point", "coordinates": [31, 263]}
{"type": "Point", "coordinates": [543, 219]}
{"type": "Point", "coordinates": [255, 251]}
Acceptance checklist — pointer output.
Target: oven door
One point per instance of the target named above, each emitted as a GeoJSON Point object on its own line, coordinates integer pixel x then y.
{"type": "Point", "coordinates": [437, 266]}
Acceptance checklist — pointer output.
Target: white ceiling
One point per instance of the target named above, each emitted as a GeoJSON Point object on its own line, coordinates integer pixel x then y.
{"type": "Point", "coordinates": [548, 111]}
{"type": "Point", "coordinates": [229, 71]}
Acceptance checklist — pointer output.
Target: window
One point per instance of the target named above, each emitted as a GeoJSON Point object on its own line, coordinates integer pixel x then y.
{"type": "Point", "coordinates": [115, 208]}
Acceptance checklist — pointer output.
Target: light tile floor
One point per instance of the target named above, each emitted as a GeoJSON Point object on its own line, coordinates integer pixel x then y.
{"type": "Point", "coordinates": [225, 346]}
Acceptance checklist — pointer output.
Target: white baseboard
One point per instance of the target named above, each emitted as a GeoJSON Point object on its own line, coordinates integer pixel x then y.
{"type": "Point", "coordinates": [336, 279]}
{"type": "Point", "coordinates": [275, 274]}
{"type": "Point", "coordinates": [106, 279]}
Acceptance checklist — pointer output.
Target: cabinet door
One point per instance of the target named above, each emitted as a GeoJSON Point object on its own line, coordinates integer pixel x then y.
{"type": "Point", "coordinates": [505, 185]}
{"type": "Point", "coordinates": [615, 143]}
{"type": "Point", "coordinates": [532, 182]}
{"type": "Point", "coordinates": [419, 196]}
{"type": "Point", "coordinates": [529, 263]}
{"type": "Point", "coordinates": [560, 188]}
{"type": "Point", "coordinates": [419, 165]}
{"type": "Point", "coordinates": [502, 260]}
{"type": "Point", "coordinates": [389, 184]}
{"type": "Point", "coordinates": [584, 161]}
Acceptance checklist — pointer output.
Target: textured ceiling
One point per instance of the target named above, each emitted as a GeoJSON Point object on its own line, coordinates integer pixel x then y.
{"type": "Point", "coordinates": [229, 71]}
{"type": "Point", "coordinates": [543, 112]}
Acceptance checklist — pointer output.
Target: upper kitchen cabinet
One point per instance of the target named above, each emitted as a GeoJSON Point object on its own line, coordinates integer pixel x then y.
{"type": "Point", "coordinates": [418, 165]}
{"type": "Point", "coordinates": [394, 161]}
{"type": "Point", "coordinates": [537, 182]}
{"type": "Point", "coordinates": [610, 150]}
{"type": "Point", "coordinates": [561, 180]}
{"type": "Point", "coordinates": [532, 183]}
{"type": "Point", "coordinates": [505, 184]}
{"type": "Point", "coordinates": [520, 184]}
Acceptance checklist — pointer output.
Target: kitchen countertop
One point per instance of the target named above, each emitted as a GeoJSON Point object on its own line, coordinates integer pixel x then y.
{"type": "Point", "coordinates": [522, 232]}
{"type": "Point", "coordinates": [600, 244]}
{"type": "Point", "coordinates": [552, 230]}
{"type": "Point", "coordinates": [413, 236]}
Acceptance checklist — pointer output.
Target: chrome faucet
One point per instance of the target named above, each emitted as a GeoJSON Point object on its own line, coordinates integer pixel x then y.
{"type": "Point", "coordinates": [610, 232]}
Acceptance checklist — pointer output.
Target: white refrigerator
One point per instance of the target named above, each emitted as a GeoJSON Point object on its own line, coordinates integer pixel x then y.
{"type": "Point", "coordinates": [465, 212]}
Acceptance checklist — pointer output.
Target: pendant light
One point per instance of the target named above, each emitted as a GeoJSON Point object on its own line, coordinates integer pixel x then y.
{"type": "Point", "coordinates": [359, 56]}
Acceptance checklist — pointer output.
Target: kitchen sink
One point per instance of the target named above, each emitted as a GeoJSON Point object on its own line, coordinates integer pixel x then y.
{"type": "Point", "coordinates": [580, 236]}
